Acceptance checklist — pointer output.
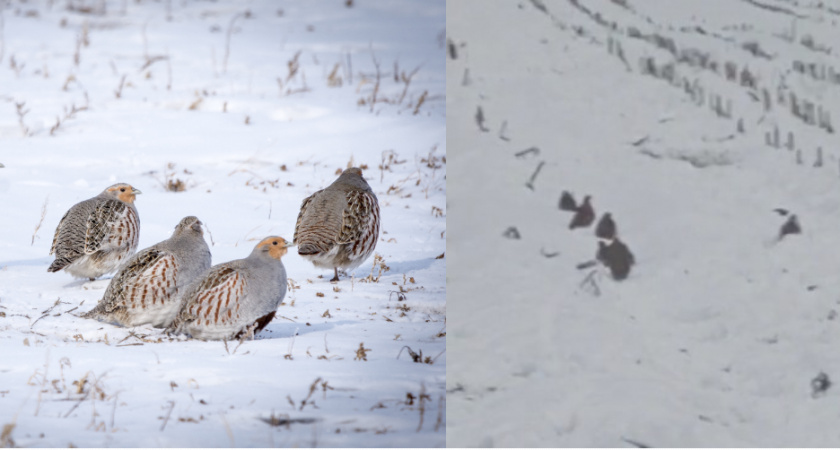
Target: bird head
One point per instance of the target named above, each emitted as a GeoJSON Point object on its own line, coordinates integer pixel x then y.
{"type": "Point", "coordinates": [190, 223]}
{"type": "Point", "coordinates": [123, 191]}
{"type": "Point", "coordinates": [353, 170]}
{"type": "Point", "coordinates": [274, 246]}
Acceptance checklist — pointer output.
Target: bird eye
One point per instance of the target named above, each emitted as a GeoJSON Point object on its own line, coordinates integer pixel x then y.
{"type": "Point", "coordinates": [122, 189]}
{"type": "Point", "coordinates": [274, 243]}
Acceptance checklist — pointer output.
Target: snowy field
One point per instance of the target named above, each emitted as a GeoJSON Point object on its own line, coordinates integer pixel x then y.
{"type": "Point", "coordinates": [233, 111]}
{"type": "Point", "coordinates": [689, 121]}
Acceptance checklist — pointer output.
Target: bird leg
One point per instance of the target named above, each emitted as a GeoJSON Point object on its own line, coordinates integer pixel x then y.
{"type": "Point", "coordinates": [335, 278]}
{"type": "Point", "coordinates": [91, 279]}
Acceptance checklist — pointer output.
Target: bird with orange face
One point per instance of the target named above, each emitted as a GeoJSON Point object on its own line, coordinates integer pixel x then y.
{"type": "Point", "coordinates": [237, 297]}
{"type": "Point", "coordinates": [96, 235]}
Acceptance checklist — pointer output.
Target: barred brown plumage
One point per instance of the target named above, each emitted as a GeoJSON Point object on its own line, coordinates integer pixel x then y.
{"type": "Point", "coordinates": [145, 288]}
{"type": "Point", "coordinates": [338, 226]}
{"type": "Point", "coordinates": [96, 235]}
{"type": "Point", "coordinates": [235, 297]}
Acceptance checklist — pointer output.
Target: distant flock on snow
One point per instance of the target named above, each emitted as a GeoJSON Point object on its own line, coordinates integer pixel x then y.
{"type": "Point", "coordinates": [612, 253]}
{"type": "Point", "coordinates": [171, 284]}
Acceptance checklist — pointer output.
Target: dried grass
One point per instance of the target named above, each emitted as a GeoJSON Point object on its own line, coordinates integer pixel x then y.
{"type": "Point", "coordinates": [361, 352]}
{"type": "Point", "coordinates": [118, 90]}
{"type": "Point", "coordinates": [324, 384]}
{"type": "Point", "coordinates": [169, 182]}
{"type": "Point", "coordinates": [168, 414]}
{"type": "Point", "coordinates": [333, 79]}
{"type": "Point", "coordinates": [21, 110]}
{"type": "Point", "coordinates": [378, 263]}
{"type": "Point", "coordinates": [422, 398]}
{"type": "Point", "coordinates": [6, 440]}
{"type": "Point", "coordinates": [41, 221]}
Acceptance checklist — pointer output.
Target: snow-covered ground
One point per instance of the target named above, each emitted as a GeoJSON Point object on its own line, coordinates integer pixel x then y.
{"type": "Point", "coordinates": [250, 106]}
{"type": "Point", "coordinates": [718, 334]}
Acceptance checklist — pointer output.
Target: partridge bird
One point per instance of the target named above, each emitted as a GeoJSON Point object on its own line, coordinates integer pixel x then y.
{"type": "Point", "coordinates": [584, 216]}
{"type": "Point", "coordinates": [96, 235]}
{"type": "Point", "coordinates": [606, 228]}
{"type": "Point", "coordinates": [567, 202]}
{"type": "Point", "coordinates": [338, 226]}
{"type": "Point", "coordinates": [617, 257]}
{"type": "Point", "coordinates": [235, 297]}
{"type": "Point", "coordinates": [145, 288]}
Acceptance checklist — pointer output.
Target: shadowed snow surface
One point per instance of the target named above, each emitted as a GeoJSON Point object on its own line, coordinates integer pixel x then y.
{"type": "Point", "coordinates": [714, 338]}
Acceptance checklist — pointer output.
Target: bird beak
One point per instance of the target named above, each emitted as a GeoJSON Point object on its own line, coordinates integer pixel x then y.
{"type": "Point", "coordinates": [288, 244]}
{"type": "Point", "coordinates": [136, 191]}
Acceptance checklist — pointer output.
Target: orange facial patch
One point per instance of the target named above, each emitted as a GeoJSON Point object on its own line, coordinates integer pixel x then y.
{"type": "Point", "coordinates": [124, 192]}
{"type": "Point", "coordinates": [276, 246]}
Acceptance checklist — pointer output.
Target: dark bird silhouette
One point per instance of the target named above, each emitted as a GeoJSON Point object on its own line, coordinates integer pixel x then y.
{"type": "Point", "coordinates": [567, 202]}
{"type": "Point", "coordinates": [790, 227]}
{"type": "Point", "coordinates": [617, 257]}
{"type": "Point", "coordinates": [584, 216]}
{"type": "Point", "coordinates": [606, 228]}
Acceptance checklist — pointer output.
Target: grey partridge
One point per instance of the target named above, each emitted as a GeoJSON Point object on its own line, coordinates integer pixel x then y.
{"type": "Point", "coordinates": [97, 235]}
{"type": "Point", "coordinates": [337, 227]}
{"type": "Point", "coordinates": [617, 257]}
{"type": "Point", "coordinates": [235, 297]}
{"type": "Point", "coordinates": [145, 290]}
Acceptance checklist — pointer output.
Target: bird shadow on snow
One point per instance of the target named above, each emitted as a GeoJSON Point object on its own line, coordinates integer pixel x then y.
{"type": "Point", "coordinates": [408, 266]}
{"type": "Point", "coordinates": [28, 262]}
{"type": "Point", "coordinates": [286, 330]}
{"type": "Point", "coordinates": [46, 262]}
{"type": "Point", "coordinates": [94, 285]}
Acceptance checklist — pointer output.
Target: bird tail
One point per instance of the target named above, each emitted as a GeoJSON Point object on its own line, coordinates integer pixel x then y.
{"type": "Point", "coordinates": [308, 249]}
{"type": "Point", "coordinates": [58, 264]}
